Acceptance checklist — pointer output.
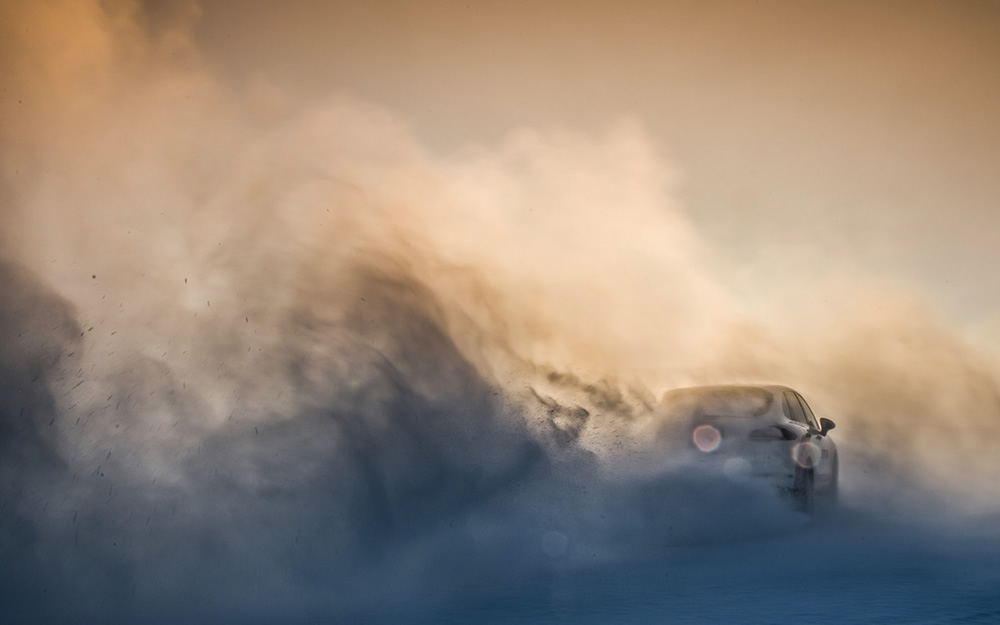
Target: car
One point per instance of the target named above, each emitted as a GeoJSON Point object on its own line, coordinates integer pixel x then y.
{"type": "Point", "coordinates": [762, 433]}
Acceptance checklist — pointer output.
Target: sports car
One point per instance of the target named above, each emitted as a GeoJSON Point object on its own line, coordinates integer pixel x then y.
{"type": "Point", "coordinates": [757, 432]}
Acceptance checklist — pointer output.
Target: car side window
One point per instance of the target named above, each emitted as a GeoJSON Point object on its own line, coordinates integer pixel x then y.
{"type": "Point", "coordinates": [793, 410]}
{"type": "Point", "coordinates": [808, 412]}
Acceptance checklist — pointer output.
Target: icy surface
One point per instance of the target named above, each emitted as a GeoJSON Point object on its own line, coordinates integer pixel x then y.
{"type": "Point", "coordinates": [851, 568]}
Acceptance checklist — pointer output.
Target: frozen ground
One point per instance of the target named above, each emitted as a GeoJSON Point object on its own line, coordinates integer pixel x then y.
{"type": "Point", "coordinates": [854, 565]}
{"type": "Point", "coordinates": [850, 568]}
{"type": "Point", "coordinates": [670, 547]}
{"type": "Point", "coordinates": [741, 562]}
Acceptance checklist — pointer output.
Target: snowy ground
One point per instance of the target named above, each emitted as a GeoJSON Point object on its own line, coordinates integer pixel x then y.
{"type": "Point", "coordinates": [732, 556]}
{"type": "Point", "coordinates": [850, 568]}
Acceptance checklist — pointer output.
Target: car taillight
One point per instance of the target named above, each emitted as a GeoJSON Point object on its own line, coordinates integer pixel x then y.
{"type": "Point", "coordinates": [772, 433]}
{"type": "Point", "coordinates": [806, 454]}
{"type": "Point", "coordinates": [706, 438]}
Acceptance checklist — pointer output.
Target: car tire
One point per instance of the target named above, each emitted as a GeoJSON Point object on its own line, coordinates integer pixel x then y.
{"type": "Point", "coordinates": [834, 491]}
{"type": "Point", "coordinates": [804, 490]}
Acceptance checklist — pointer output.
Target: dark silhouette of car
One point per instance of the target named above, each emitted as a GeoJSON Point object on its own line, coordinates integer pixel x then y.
{"type": "Point", "coordinates": [756, 432]}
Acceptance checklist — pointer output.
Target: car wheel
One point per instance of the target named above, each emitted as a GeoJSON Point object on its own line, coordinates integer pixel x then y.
{"type": "Point", "coordinates": [804, 490]}
{"type": "Point", "coordinates": [834, 484]}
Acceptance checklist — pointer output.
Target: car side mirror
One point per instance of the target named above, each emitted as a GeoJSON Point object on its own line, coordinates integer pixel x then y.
{"type": "Point", "coordinates": [826, 425]}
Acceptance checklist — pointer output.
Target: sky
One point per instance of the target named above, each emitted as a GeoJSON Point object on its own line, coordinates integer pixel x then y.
{"type": "Point", "coordinates": [808, 139]}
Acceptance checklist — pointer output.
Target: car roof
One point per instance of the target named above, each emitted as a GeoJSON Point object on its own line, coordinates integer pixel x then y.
{"type": "Point", "coordinates": [776, 389]}
{"type": "Point", "coordinates": [774, 411]}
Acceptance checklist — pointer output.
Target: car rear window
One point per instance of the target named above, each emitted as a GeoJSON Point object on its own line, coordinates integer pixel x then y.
{"type": "Point", "coordinates": [718, 402]}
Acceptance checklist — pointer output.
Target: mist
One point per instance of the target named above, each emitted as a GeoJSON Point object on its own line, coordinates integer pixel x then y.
{"type": "Point", "coordinates": [252, 340]}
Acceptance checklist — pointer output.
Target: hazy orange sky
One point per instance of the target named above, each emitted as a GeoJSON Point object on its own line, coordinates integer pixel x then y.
{"type": "Point", "coordinates": [807, 139]}
{"type": "Point", "coordinates": [860, 137]}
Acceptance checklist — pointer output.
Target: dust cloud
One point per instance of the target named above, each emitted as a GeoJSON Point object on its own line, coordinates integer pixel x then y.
{"type": "Point", "coordinates": [254, 343]}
